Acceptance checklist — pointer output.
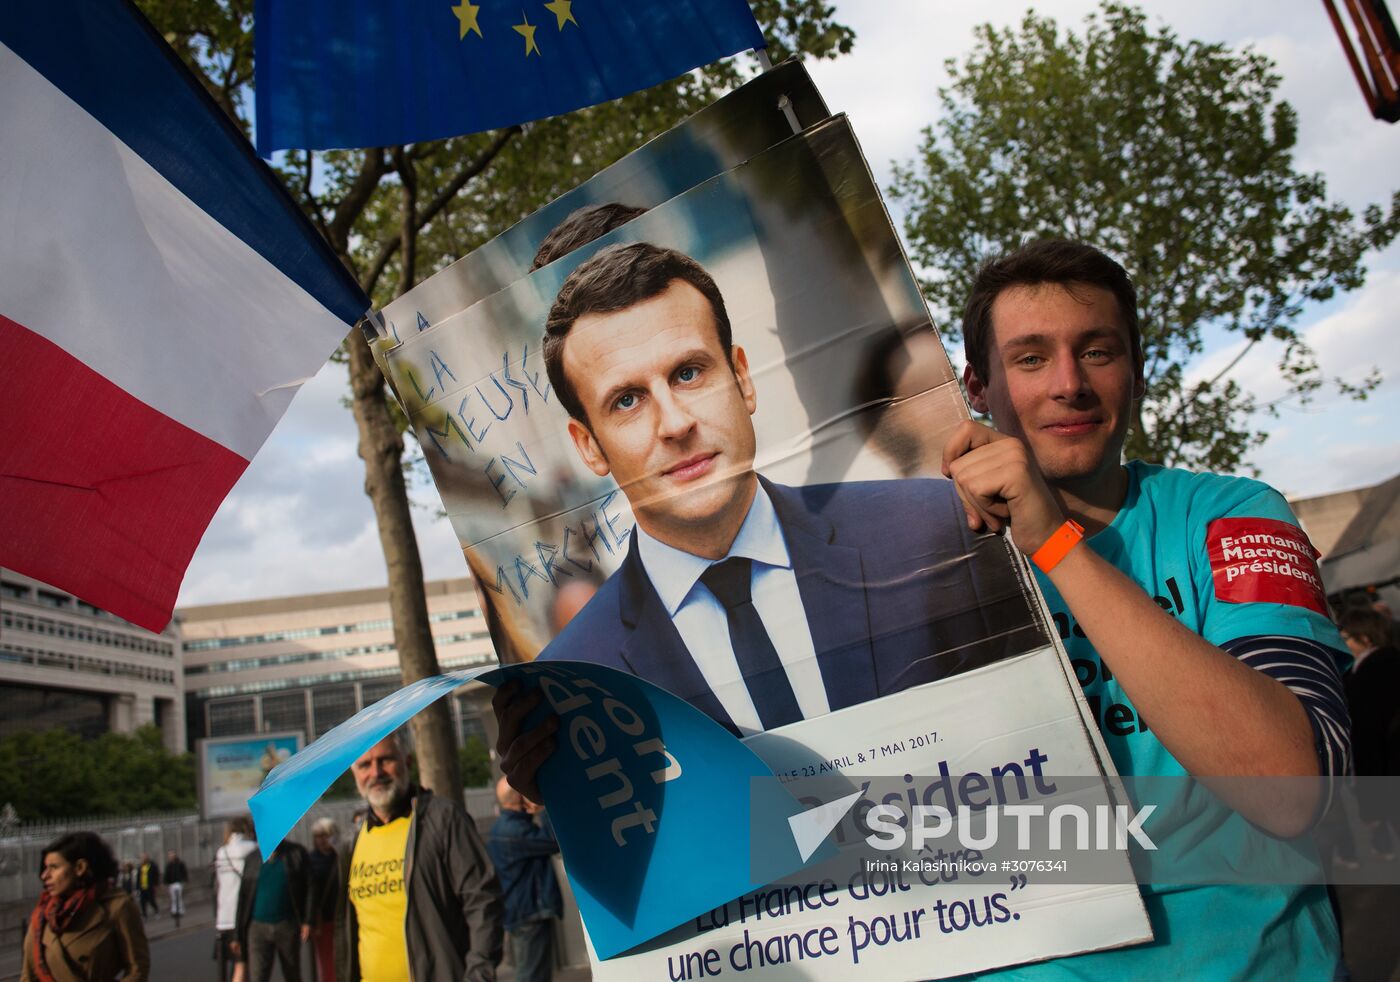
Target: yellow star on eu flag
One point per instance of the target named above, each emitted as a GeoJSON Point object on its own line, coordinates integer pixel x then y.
{"type": "Point", "coordinates": [527, 31]}
{"type": "Point", "coordinates": [466, 17]}
{"type": "Point", "coordinates": [563, 10]}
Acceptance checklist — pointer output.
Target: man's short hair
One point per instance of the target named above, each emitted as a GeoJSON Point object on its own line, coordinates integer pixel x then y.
{"type": "Point", "coordinates": [402, 741]}
{"type": "Point", "coordinates": [582, 227]}
{"type": "Point", "coordinates": [619, 277]}
{"type": "Point", "coordinates": [1058, 261]}
{"type": "Point", "coordinates": [1365, 624]}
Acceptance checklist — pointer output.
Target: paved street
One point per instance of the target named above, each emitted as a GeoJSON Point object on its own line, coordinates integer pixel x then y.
{"type": "Point", "coordinates": [186, 954]}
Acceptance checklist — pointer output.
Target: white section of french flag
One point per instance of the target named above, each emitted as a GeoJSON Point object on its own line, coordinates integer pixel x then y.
{"type": "Point", "coordinates": [148, 348]}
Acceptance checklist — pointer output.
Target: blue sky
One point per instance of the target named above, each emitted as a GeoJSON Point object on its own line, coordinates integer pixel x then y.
{"type": "Point", "coordinates": [299, 521]}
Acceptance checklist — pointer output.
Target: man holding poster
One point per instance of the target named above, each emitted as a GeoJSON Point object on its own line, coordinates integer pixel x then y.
{"type": "Point", "coordinates": [760, 604]}
{"type": "Point", "coordinates": [1196, 601]}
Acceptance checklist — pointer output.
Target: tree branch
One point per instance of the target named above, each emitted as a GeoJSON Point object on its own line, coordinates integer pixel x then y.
{"type": "Point", "coordinates": [390, 244]}
{"type": "Point", "coordinates": [408, 222]}
{"type": "Point", "coordinates": [349, 208]}
{"type": "Point", "coordinates": [1233, 362]}
{"type": "Point", "coordinates": [232, 83]}
{"type": "Point", "coordinates": [474, 168]}
{"type": "Point", "coordinates": [309, 200]}
{"type": "Point", "coordinates": [217, 91]}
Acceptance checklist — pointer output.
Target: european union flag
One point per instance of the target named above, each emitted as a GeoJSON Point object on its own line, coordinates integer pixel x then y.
{"type": "Point", "coordinates": [366, 73]}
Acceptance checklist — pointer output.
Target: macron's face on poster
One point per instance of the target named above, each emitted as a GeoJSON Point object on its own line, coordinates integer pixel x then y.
{"type": "Point", "coordinates": [667, 416]}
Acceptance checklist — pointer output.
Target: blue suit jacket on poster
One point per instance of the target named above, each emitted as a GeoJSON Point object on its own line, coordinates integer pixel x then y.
{"type": "Point", "coordinates": [897, 592]}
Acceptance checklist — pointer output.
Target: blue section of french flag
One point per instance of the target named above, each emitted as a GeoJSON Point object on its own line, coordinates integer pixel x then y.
{"type": "Point", "coordinates": [161, 300]}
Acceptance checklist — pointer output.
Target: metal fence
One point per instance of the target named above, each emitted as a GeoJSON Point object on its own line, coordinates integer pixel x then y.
{"type": "Point", "coordinates": [193, 838]}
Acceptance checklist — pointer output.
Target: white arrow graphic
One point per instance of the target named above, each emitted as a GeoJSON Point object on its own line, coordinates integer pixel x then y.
{"type": "Point", "coordinates": [810, 828]}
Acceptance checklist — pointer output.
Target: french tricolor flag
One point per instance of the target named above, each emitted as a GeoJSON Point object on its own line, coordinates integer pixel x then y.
{"type": "Point", "coordinates": [161, 300]}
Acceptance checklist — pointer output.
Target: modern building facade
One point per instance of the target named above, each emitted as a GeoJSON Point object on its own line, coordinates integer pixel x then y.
{"type": "Point", "coordinates": [1326, 516]}
{"type": "Point", "coordinates": [308, 663]}
{"type": "Point", "coordinates": [65, 663]}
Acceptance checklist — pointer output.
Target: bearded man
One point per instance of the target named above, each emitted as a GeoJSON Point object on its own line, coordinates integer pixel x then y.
{"type": "Point", "coordinates": [417, 885]}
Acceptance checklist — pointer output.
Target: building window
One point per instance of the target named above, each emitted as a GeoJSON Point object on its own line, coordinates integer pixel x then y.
{"type": "Point", "coordinates": [284, 711]}
{"type": "Point", "coordinates": [231, 718]}
{"type": "Point", "coordinates": [14, 591]}
{"type": "Point", "coordinates": [50, 599]}
{"type": "Point", "coordinates": [31, 708]}
{"type": "Point", "coordinates": [472, 726]}
{"type": "Point", "coordinates": [332, 706]}
{"type": "Point", "coordinates": [372, 692]}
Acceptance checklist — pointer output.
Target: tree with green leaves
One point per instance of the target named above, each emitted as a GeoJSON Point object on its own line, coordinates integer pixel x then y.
{"type": "Point", "coordinates": [475, 762]}
{"type": "Point", "coordinates": [55, 774]}
{"type": "Point", "coordinates": [397, 214]}
{"type": "Point", "coordinates": [1176, 158]}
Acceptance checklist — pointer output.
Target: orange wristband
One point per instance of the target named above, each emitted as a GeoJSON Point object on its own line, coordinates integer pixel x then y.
{"type": "Point", "coordinates": [1066, 537]}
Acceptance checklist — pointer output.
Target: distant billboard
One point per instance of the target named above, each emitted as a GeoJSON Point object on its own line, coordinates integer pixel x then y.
{"type": "Point", "coordinates": [230, 769]}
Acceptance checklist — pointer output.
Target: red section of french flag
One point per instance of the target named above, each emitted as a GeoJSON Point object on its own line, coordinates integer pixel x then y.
{"type": "Point", "coordinates": [100, 494]}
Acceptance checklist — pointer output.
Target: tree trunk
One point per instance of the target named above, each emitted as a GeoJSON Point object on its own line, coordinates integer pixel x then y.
{"type": "Point", "coordinates": [381, 448]}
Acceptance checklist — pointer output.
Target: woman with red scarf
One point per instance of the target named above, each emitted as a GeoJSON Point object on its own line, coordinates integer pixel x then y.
{"type": "Point", "coordinates": [84, 929]}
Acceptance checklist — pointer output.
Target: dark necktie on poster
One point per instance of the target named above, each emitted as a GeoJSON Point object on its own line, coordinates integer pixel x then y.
{"type": "Point", "coordinates": [759, 663]}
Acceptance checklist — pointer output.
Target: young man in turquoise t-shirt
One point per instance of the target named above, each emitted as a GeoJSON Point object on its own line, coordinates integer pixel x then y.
{"type": "Point", "coordinates": [1190, 604]}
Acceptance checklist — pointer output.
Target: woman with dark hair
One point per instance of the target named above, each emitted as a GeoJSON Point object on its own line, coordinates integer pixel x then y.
{"type": "Point", "coordinates": [84, 929]}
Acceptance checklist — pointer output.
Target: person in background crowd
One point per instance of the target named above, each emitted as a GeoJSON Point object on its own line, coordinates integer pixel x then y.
{"type": "Point", "coordinates": [1373, 692]}
{"type": "Point", "coordinates": [83, 929]}
{"type": "Point", "coordinates": [520, 850]}
{"type": "Point", "coordinates": [147, 879]}
{"type": "Point", "coordinates": [272, 916]}
{"type": "Point", "coordinates": [1383, 608]}
{"type": "Point", "coordinates": [229, 862]}
{"type": "Point", "coordinates": [175, 876]}
{"type": "Point", "coordinates": [126, 878]}
{"type": "Point", "coordinates": [323, 877]}
{"type": "Point", "coordinates": [414, 844]}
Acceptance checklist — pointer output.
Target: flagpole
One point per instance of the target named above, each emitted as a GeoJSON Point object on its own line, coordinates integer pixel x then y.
{"type": "Point", "coordinates": [784, 103]}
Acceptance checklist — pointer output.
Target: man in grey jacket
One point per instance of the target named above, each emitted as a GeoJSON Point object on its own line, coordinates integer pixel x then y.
{"type": "Point", "coordinates": [418, 898]}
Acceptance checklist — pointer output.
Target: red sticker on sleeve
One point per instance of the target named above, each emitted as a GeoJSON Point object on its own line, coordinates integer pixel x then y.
{"type": "Point", "coordinates": [1263, 560]}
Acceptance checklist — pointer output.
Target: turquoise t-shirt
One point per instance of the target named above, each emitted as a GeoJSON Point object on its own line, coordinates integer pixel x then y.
{"type": "Point", "coordinates": [1159, 539]}
{"type": "Point", "coordinates": [271, 902]}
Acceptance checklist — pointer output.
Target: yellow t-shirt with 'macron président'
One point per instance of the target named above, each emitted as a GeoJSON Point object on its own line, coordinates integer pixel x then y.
{"type": "Point", "coordinates": [381, 903]}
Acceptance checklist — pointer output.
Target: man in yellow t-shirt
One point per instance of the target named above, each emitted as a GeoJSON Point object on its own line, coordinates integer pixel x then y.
{"type": "Point", "coordinates": [376, 890]}
{"type": "Point", "coordinates": [420, 900]}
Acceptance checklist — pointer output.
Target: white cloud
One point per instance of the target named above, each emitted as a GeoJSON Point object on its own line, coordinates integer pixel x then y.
{"type": "Point", "coordinates": [299, 520]}
{"type": "Point", "coordinates": [1348, 343]}
{"type": "Point", "coordinates": [1332, 461]}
